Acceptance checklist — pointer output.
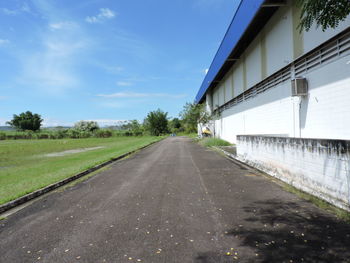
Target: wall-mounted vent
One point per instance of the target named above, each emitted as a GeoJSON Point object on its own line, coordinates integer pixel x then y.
{"type": "Point", "coordinates": [299, 87]}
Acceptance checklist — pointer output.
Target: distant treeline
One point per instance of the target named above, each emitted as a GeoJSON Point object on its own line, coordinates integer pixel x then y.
{"type": "Point", "coordinates": [64, 133]}
{"type": "Point", "coordinates": [27, 125]}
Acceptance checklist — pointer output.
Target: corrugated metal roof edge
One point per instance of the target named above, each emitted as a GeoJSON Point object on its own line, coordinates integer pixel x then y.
{"type": "Point", "coordinates": [245, 13]}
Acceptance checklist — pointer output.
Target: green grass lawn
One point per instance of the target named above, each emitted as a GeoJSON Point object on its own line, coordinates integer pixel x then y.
{"type": "Point", "coordinates": [24, 167]}
{"type": "Point", "coordinates": [209, 142]}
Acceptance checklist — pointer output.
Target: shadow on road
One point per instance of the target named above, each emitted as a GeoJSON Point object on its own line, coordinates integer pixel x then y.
{"type": "Point", "coordinates": [285, 232]}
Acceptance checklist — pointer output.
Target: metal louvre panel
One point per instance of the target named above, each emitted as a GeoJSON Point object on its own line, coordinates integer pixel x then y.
{"type": "Point", "coordinates": [326, 53]}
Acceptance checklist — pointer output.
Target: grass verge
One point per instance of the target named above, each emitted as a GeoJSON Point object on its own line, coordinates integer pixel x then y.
{"type": "Point", "coordinates": [26, 167]}
{"type": "Point", "coordinates": [338, 212]}
{"type": "Point", "coordinates": [209, 142]}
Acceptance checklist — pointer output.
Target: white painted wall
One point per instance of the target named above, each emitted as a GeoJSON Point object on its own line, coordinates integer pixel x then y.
{"type": "Point", "coordinates": [221, 92]}
{"type": "Point", "coordinates": [268, 113]}
{"type": "Point", "coordinates": [323, 114]}
{"type": "Point", "coordinates": [215, 98]}
{"type": "Point", "coordinates": [323, 170]}
{"type": "Point", "coordinates": [279, 40]}
{"type": "Point", "coordinates": [278, 35]}
{"type": "Point", "coordinates": [228, 87]}
{"type": "Point", "coordinates": [253, 63]}
{"type": "Point", "coordinates": [315, 36]}
{"type": "Point", "coordinates": [238, 78]}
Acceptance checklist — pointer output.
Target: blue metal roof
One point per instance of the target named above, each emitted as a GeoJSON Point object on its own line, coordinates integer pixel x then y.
{"type": "Point", "coordinates": [245, 13]}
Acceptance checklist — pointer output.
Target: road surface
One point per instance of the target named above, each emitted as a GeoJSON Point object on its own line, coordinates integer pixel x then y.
{"type": "Point", "coordinates": [174, 201]}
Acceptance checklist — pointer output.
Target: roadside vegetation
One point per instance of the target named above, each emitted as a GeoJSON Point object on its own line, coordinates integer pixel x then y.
{"type": "Point", "coordinates": [32, 157]}
{"type": "Point", "coordinates": [28, 165]}
{"type": "Point", "coordinates": [210, 142]}
{"type": "Point", "coordinates": [338, 212]}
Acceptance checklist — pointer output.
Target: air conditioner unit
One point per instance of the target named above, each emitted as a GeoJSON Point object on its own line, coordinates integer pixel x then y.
{"type": "Point", "coordinates": [299, 87]}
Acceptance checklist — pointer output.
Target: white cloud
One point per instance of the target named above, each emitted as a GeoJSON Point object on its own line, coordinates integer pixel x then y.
{"type": "Point", "coordinates": [62, 25]}
{"type": "Point", "coordinates": [104, 14]}
{"type": "Point", "coordinates": [111, 69]}
{"type": "Point", "coordinates": [141, 95]}
{"type": "Point", "coordinates": [3, 122]}
{"type": "Point", "coordinates": [52, 122]}
{"type": "Point", "coordinates": [124, 84]}
{"type": "Point", "coordinates": [24, 8]}
{"type": "Point", "coordinates": [206, 71]}
{"type": "Point", "coordinates": [52, 68]}
{"type": "Point", "coordinates": [9, 12]}
{"type": "Point", "coordinates": [4, 42]}
{"type": "Point", "coordinates": [108, 122]}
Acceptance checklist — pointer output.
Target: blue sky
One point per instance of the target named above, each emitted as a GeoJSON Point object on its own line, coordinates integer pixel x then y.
{"type": "Point", "coordinates": [105, 60]}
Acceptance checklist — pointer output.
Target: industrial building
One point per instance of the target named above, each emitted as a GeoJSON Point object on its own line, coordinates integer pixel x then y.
{"type": "Point", "coordinates": [283, 96]}
{"type": "Point", "coordinates": [249, 82]}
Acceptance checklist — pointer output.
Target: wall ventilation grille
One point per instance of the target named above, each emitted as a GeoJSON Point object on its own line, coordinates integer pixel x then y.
{"type": "Point", "coordinates": [324, 54]}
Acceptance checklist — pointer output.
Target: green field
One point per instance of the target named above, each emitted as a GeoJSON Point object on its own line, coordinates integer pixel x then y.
{"type": "Point", "coordinates": [28, 165]}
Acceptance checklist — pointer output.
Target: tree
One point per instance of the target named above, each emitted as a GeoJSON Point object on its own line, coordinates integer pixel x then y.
{"type": "Point", "coordinates": [175, 125]}
{"type": "Point", "coordinates": [326, 13]}
{"type": "Point", "coordinates": [135, 127]}
{"type": "Point", "coordinates": [156, 122]}
{"type": "Point", "coordinates": [87, 126]}
{"type": "Point", "coordinates": [194, 114]}
{"type": "Point", "coordinates": [26, 121]}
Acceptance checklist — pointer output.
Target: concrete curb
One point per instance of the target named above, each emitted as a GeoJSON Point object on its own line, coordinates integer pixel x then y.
{"type": "Point", "coordinates": [21, 200]}
{"type": "Point", "coordinates": [234, 159]}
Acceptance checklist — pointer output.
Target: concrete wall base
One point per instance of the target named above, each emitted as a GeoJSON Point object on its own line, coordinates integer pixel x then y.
{"type": "Point", "coordinates": [317, 166]}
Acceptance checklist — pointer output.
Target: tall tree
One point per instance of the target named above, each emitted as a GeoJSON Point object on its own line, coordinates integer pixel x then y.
{"type": "Point", "coordinates": [136, 128]}
{"type": "Point", "coordinates": [175, 125]}
{"type": "Point", "coordinates": [156, 122]}
{"type": "Point", "coordinates": [26, 121]}
{"type": "Point", "coordinates": [326, 13]}
{"type": "Point", "coordinates": [194, 114]}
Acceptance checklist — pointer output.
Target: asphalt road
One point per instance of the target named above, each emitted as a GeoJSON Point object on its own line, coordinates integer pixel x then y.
{"type": "Point", "coordinates": [174, 202]}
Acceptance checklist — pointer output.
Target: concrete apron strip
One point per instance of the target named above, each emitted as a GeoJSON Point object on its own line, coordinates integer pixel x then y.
{"type": "Point", "coordinates": [234, 159]}
{"type": "Point", "coordinates": [28, 197]}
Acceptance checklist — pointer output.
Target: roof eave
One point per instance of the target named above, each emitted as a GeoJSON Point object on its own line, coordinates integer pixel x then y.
{"type": "Point", "coordinates": [250, 18]}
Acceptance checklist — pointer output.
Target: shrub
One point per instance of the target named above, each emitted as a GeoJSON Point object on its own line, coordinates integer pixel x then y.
{"type": "Point", "coordinates": [60, 134]}
{"type": "Point", "coordinates": [43, 136]}
{"type": "Point", "coordinates": [84, 134]}
{"type": "Point", "coordinates": [2, 136]}
{"type": "Point", "coordinates": [208, 142]}
{"type": "Point", "coordinates": [104, 133]}
{"type": "Point", "coordinates": [138, 133]}
{"type": "Point", "coordinates": [73, 133]}
{"type": "Point", "coordinates": [29, 135]}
